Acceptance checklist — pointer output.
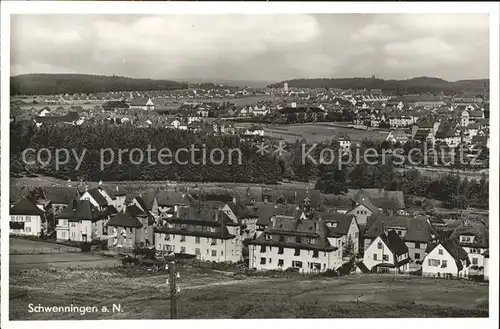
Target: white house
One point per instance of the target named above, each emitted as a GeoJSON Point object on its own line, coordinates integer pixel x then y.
{"type": "Point", "coordinates": [81, 221]}
{"type": "Point", "coordinates": [27, 218]}
{"type": "Point", "coordinates": [473, 237]}
{"type": "Point", "coordinates": [98, 197]}
{"type": "Point", "coordinates": [447, 260]}
{"type": "Point", "coordinates": [343, 226]}
{"type": "Point", "coordinates": [205, 234]}
{"type": "Point", "coordinates": [142, 103]}
{"type": "Point", "coordinates": [387, 253]}
{"type": "Point", "coordinates": [290, 242]}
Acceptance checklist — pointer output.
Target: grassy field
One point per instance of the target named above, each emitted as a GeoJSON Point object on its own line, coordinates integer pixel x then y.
{"type": "Point", "coordinates": [215, 295]}
{"type": "Point", "coordinates": [27, 254]}
{"type": "Point", "coordinates": [314, 133]}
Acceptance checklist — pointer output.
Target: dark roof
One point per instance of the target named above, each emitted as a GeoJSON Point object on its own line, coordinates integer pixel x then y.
{"type": "Point", "coordinates": [77, 210]}
{"type": "Point", "coordinates": [59, 195]}
{"type": "Point", "coordinates": [476, 229]}
{"type": "Point", "coordinates": [25, 207]}
{"type": "Point", "coordinates": [343, 221]}
{"type": "Point", "coordinates": [300, 228]}
{"type": "Point", "coordinates": [141, 101]}
{"type": "Point", "coordinates": [267, 210]}
{"type": "Point", "coordinates": [454, 249]}
{"type": "Point", "coordinates": [379, 197]}
{"type": "Point", "coordinates": [394, 243]}
{"type": "Point", "coordinates": [97, 196]}
{"type": "Point", "coordinates": [239, 210]}
{"type": "Point", "coordinates": [126, 219]}
{"type": "Point", "coordinates": [418, 228]}
{"type": "Point", "coordinates": [70, 117]}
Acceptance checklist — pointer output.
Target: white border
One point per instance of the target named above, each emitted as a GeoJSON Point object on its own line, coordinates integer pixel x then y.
{"type": "Point", "coordinates": [63, 7]}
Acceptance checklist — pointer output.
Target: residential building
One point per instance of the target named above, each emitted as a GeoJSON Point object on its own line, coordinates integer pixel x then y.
{"type": "Point", "coordinates": [344, 227]}
{"type": "Point", "coordinates": [130, 228]}
{"type": "Point", "coordinates": [81, 221]}
{"type": "Point", "coordinates": [473, 237]}
{"type": "Point", "coordinates": [27, 218]}
{"type": "Point", "coordinates": [293, 242]}
{"type": "Point", "coordinates": [207, 234]}
{"type": "Point", "coordinates": [397, 136]}
{"type": "Point", "coordinates": [142, 103]}
{"type": "Point", "coordinates": [446, 259]}
{"type": "Point", "coordinates": [416, 232]}
{"type": "Point", "coordinates": [387, 253]}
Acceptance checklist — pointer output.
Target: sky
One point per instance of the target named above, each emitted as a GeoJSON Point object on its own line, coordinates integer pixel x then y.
{"type": "Point", "coordinates": [253, 47]}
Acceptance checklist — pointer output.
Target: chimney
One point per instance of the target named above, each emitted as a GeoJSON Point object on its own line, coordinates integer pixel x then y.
{"type": "Point", "coordinates": [234, 199]}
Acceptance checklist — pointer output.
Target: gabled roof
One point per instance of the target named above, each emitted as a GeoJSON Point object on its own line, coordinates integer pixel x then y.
{"type": "Point", "coordinates": [141, 101]}
{"type": "Point", "coordinates": [476, 229]}
{"type": "Point", "coordinates": [77, 210]}
{"type": "Point", "coordinates": [418, 229]}
{"type": "Point", "coordinates": [25, 207]}
{"type": "Point", "coordinates": [454, 249]}
{"type": "Point", "coordinates": [125, 219]}
{"type": "Point", "coordinates": [238, 209]}
{"type": "Point", "coordinates": [59, 195]}
{"type": "Point", "coordinates": [341, 222]}
{"type": "Point", "coordinates": [395, 244]}
{"type": "Point", "coordinates": [97, 196]}
{"type": "Point", "coordinates": [268, 210]}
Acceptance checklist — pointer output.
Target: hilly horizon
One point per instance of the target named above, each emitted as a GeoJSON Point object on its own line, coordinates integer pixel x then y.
{"type": "Point", "coordinates": [49, 83]}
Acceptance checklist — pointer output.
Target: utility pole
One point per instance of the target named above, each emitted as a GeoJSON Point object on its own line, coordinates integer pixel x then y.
{"type": "Point", "coordinates": [174, 290]}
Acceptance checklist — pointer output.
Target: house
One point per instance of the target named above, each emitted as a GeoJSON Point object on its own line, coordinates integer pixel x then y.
{"type": "Point", "coordinates": [27, 218]}
{"type": "Point", "coordinates": [208, 235]}
{"type": "Point", "coordinates": [445, 259]}
{"type": "Point", "coordinates": [345, 226]}
{"type": "Point", "coordinates": [416, 232]}
{"type": "Point", "coordinates": [397, 136]}
{"type": "Point", "coordinates": [142, 103]}
{"type": "Point", "coordinates": [58, 196]}
{"type": "Point", "coordinates": [240, 214]}
{"type": "Point", "coordinates": [44, 112]}
{"type": "Point", "coordinates": [130, 228]}
{"type": "Point", "coordinates": [473, 237]}
{"type": "Point", "coordinates": [387, 253]}
{"type": "Point", "coordinates": [169, 202]}
{"type": "Point", "coordinates": [475, 116]}
{"type": "Point", "coordinates": [81, 221]}
{"type": "Point", "coordinates": [293, 242]}
{"type": "Point", "coordinates": [260, 111]}
{"type": "Point", "coordinates": [98, 197]}
{"type": "Point", "coordinates": [267, 211]}
{"type": "Point", "coordinates": [344, 141]}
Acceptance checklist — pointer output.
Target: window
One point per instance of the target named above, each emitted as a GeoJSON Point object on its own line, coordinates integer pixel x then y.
{"type": "Point", "coordinates": [417, 255]}
{"type": "Point", "coordinates": [282, 238]}
{"type": "Point", "coordinates": [28, 229]}
{"type": "Point", "coordinates": [444, 264]}
{"type": "Point", "coordinates": [208, 252]}
{"type": "Point", "coordinates": [262, 248]}
{"type": "Point", "coordinates": [197, 252]}
{"type": "Point", "coordinates": [268, 237]}
{"type": "Point", "coordinates": [183, 250]}
{"type": "Point", "coordinates": [280, 251]}
{"type": "Point", "coordinates": [262, 261]}
{"type": "Point", "coordinates": [417, 245]}
{"type": "Point", "coordinates": [385, 258]}
{"type": "Point", "coordinates": [73, 224]}
{"type": "Point", "coordinates": [297, 252]}
{"type": "Point", "coordinates": [474, 261]}
{"type": "Point", "coordinates": [315, 254]}
{"type": "Point", "coordinates": [374, 256]}
{"type": "Point", "coordinates": [280, 262]}
{"type": "Point", "coordinates": [399, 233]}
{"type": "Point", "coordinates": [440, 251]}
{"type": "Point", "coordinates": [270, 260]}
{"type": "Point", "coordinates": [434, 262]}
{"type": "Point", "coordinates": [214, 242]}
{"type": "Point", "coordinates": [270, 248]}
{"type": "Point", "coordinates": [28, 219]}
{"type": "Point", "coordinates": [183, 238]}
{"type": "Point", "coordinates": [197, 239]}
{"type": "Point", "coordinates": [379, 245]}
{"type": "Point", "coordinates": [298, 239]}
{"type": "Point", "coordinates": [297, 263]}
{"type": "Point", "coordinates": [214, 253]}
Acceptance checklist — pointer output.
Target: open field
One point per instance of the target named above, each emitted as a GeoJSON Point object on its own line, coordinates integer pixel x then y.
{"type": "Point", "coordinates": [214, 295]}
{"type": "Point", "coordinates": [23, 246]}
{"type": "Point", "coordinates": [314, 133]}
{"type": "Point", "coordinates": [26, 254]}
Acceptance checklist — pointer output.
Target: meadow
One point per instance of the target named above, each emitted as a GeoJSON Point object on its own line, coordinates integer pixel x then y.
{"type": "Point", "coordinates": [214, 295]}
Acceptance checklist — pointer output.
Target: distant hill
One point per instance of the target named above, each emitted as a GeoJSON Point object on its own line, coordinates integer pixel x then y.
{"type": "Point", "coordinates": [49, 84]}
{"type": "Point", "coordinates": [414, 85]}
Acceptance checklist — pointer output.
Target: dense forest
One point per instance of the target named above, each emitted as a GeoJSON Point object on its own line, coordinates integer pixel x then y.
{"type": "Point", "coordinates": [255, 168]}
{"type": "Point", "coordinates": [50, 84]}
{"type": "Point", "coordinates": [410, 86]}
